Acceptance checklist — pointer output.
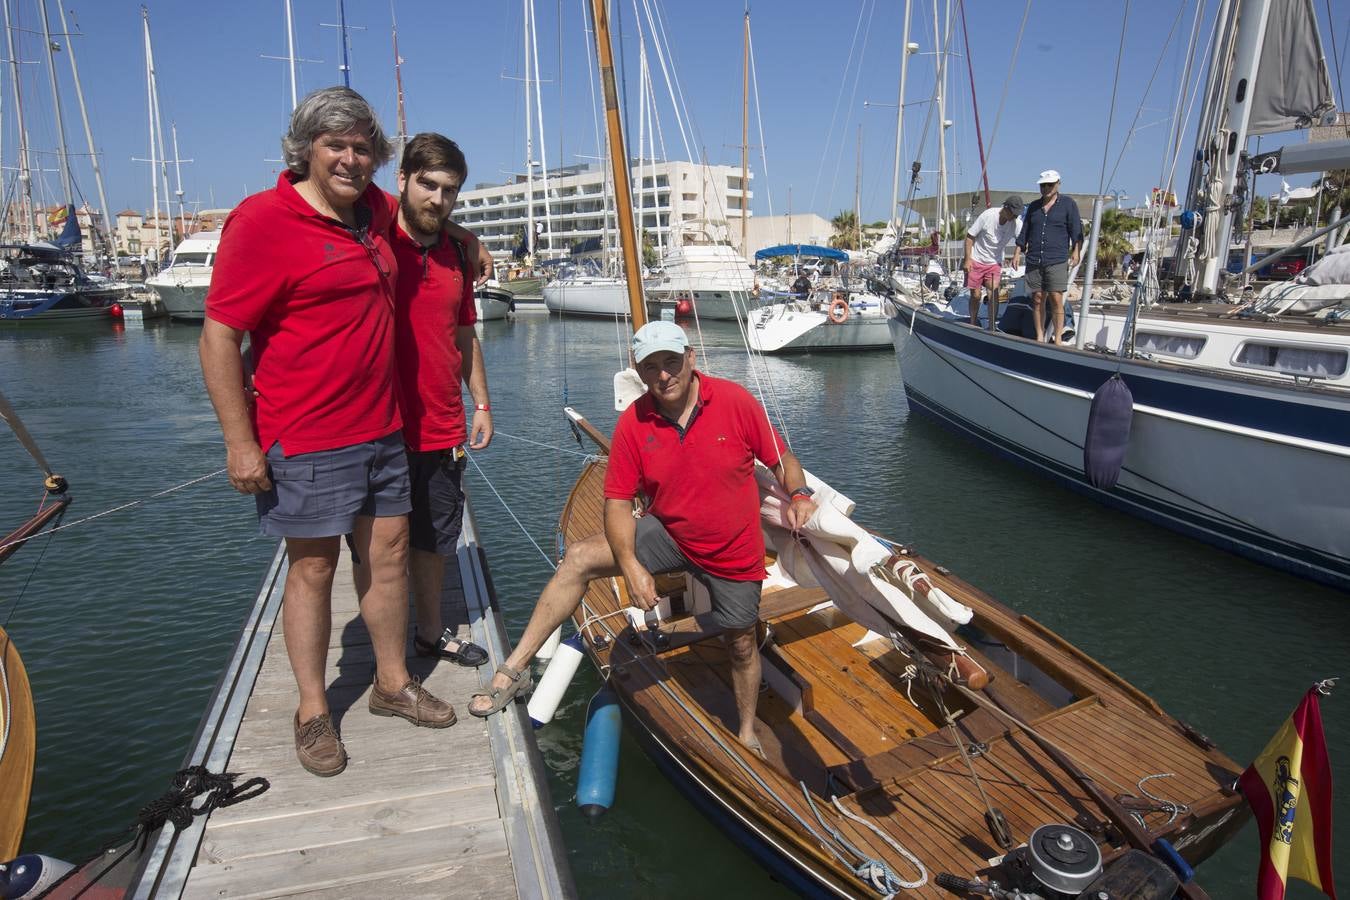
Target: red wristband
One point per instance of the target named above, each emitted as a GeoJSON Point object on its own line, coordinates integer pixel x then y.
{"type": "Point", "coordinates": [483, 407]}
{"type": "Point", "coordinates": [797, 497]}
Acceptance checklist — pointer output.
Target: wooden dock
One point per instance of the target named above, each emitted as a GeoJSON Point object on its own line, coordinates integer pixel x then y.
{"type": "Point", "coordinates": [419, 812]}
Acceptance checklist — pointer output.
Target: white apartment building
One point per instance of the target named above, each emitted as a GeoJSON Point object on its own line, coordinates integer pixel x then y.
{"type": "Point", "coordinates": [668, 193]}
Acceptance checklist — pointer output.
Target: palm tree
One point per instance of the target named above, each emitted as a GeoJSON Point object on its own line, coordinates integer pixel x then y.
{"type": "Point", "coordinates": [1111, 241]}
{"type": "Point", "coordinates": [845, 235]}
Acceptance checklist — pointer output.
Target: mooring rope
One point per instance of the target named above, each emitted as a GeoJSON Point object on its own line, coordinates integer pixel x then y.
{"type": "Point", "coordinates": [122, 506]}
{"type": "Point", "coordinates": [506, 506]}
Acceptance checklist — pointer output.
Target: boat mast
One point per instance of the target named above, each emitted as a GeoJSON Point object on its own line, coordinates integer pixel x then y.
{"type": "Point", "coordinates": [342, 40]}
{"type": "Point", "coordinates": [527, 10]}
{"type": "Point", "coordinates": [25, 173]}
{"type": "Point", "coordinates": [401, 139]}
{"type": "Point", "coordinates": [857, 193]}
{"type": "Point", "coordinates": [539, 115]}
{"type": "Point", "coordinates": [941, 48]}
{"type": "Point", "coordinates": [745, 137]}
{"type": "Point", "coordinates": [905, 51]}
{"type": "Point", "coordinates": [178, 180]}
{"type": "Point", "coordinates": [1253, 16]}
{"type": "Point", "coordinates": [618, 162]}
{"type": "Point", "coordinates": [56, 101]}
{"type": "Point", "coordinates": [88, 132]}
{"type": "Point", "coordinates": [150, 109]}
{"type": "Point", "coordinates": [290, 52]}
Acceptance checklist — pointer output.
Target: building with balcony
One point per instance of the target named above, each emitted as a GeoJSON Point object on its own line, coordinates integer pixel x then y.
{"type": "Point", "coordinates": [574, 197]}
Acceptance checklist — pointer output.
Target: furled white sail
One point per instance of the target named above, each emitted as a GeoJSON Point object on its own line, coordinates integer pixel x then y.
{"type": "Point", "coordinates": [1293, 85]}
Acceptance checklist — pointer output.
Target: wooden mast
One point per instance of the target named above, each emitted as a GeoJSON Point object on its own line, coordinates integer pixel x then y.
{"type": "Point", "coordinates": [745, 138]}
{"type": "Point", "coordinates": [618, 160]}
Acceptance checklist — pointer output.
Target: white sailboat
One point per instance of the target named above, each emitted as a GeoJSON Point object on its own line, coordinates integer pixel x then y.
{"type": "Point", "coordinates": [1236, 432]}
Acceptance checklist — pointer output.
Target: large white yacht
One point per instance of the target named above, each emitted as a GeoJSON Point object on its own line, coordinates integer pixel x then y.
{"type": "Point", "coordinates": [182, 284]}
{"type": "Point", "coordinates": [707, 272]}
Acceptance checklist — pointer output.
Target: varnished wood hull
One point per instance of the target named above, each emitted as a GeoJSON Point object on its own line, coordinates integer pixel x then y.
{"type": "Point", "coordinates": [20, 748]}
{"type": "Point", "coordinates": [836, 720]}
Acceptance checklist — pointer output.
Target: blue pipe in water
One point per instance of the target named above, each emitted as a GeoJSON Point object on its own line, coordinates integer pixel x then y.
{"type": "Point", "coordinates": [599, 754]}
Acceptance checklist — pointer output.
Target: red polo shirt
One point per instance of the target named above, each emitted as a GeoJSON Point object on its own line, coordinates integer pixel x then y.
{"type": "Point", "coordinates": [700, 483]}
{"type": "Point", "coordinates": [319, 308]}
{"type": "Point", "coordinates": [434, 300]}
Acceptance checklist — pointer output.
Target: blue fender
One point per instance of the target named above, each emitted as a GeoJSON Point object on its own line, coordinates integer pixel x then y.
{"type": "Point", "coordinates": [599, 754]}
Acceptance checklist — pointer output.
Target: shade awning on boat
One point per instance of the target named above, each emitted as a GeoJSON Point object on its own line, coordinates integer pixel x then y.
{"type": "Point", "coordinates": [801, 250]}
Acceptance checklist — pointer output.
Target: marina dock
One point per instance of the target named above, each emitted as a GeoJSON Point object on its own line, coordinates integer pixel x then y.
{"type": "Point", "coordinates": [463, 811]}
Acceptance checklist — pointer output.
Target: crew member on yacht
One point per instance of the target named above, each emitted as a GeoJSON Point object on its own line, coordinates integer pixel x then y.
{"type": "Point", "coordinates": [986, 240]}
{"type": "Point", "coordinates": [1051, 239]}
{"type": "Point", "coordinates": [689, 446]}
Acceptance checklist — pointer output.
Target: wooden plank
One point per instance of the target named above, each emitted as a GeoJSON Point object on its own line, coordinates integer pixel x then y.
{"type": "Point", "coordinates": [348, 823]}
{"type": "Point", "coordinates": [321, 870]}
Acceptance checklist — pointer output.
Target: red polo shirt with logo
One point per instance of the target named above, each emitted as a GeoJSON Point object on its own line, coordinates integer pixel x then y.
{"type": "Point", "coordinates": [434, 300]}
{"type": "Point", "coordinates": [700, 483]}
{"type": "Point", "coordinates": [318, 304]}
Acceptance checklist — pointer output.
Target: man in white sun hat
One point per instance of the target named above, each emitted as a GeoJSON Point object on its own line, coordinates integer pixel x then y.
{"type": "Point", "coordinates": [1051, 240]}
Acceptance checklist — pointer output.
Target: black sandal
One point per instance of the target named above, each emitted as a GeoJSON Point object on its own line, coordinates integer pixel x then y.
{"type": "Point", "coordinates": [469, 654]}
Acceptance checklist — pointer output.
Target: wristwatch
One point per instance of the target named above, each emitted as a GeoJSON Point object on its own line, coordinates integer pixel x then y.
{"type": "Point", "coordinates": [801, 492]}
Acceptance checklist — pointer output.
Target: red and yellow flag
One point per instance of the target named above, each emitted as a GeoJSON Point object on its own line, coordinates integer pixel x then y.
{"type": "Point", "coordinates": [1289, 790]}
{"type": "Point", "coordinates": [58, 215]}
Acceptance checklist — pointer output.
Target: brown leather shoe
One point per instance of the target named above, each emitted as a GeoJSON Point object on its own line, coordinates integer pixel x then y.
{"type": "Point", "coordinates": [318, 746]}
{"type": "Point", "coordinates": [414, 703]}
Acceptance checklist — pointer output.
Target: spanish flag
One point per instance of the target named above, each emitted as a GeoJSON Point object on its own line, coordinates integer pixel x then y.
{"type": "Point", "coordinates": [58, 215]}
{"type": "Point", "coordinates": [1289, 790]}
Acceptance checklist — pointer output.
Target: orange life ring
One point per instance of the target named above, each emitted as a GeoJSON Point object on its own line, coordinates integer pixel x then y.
{"type": "Point", "coordinates": [839, 310]}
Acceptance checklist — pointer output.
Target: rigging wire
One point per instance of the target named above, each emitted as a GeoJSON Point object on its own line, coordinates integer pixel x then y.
{"type": "Point", "coordinates": [506, 506]}
{"type": "Point", "coordinates": [1115, 85]}
{"type": "Point", "coordinates": [1007, 83]}
{"type": "Point", "coordinates": [834, 116]}
{"type": "Point", "coordinates": [1125, 145]}
{"type": "Point", "coordinates": [123, 506]}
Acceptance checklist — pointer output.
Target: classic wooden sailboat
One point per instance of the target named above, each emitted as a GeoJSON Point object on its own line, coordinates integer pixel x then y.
{"type": "Point", "coordinates": [18, 720]}
{"type": "Point", "coordinates": [894, 758]}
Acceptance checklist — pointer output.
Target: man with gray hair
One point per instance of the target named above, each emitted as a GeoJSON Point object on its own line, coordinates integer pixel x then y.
{"type": "Point", "coordinates": [306, 270]}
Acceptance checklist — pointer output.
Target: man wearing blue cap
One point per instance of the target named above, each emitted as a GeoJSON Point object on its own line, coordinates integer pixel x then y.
{"type": "Point", "coordinates": [689, 447]}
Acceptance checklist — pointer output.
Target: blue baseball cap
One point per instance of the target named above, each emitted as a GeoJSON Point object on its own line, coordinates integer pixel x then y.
{"type": "Point", "coordinates": [655, 337]}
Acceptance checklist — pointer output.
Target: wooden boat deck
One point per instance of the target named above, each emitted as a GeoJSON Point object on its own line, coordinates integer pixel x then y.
{"type": "Point", "coordinates": [837, 719]}
{"type": "Point", "coordinates": [462, 811]}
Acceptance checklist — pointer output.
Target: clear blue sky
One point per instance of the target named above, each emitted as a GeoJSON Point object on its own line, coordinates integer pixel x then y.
{"type": "Point", "coordinates": [817, 64]}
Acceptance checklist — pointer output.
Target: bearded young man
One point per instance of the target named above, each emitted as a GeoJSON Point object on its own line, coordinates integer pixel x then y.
{"type": "Point", "coordinates": [435, 350]}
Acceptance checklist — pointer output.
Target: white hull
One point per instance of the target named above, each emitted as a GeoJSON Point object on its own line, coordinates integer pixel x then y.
{"type": "Point", "coordinates": [491, 304]}
{"type": "Point", "coordinates": [184, 300]}
{"type": "Point", "coordinates": [1252, 465]}
{"type": "Point", "coordinates": [796, 328]}
{"type": "Point", "coordinates": [587, 297]}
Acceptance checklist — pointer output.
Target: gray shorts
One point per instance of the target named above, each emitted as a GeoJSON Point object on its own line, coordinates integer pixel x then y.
{"type": "Point", "coordinates": [320, 494]}
{"type": "Point", "coordinates": [735, 604]}
{"type": "Point", "coordinates": [1054, 277]}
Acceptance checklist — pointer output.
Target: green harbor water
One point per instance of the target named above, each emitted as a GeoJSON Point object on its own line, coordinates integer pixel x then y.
{"type": "Point", "coordinates": [125, 621]}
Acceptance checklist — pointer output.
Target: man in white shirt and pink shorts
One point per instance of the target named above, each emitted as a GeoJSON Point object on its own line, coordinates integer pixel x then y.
{"type": "Point", "coordinates": [986, 240]}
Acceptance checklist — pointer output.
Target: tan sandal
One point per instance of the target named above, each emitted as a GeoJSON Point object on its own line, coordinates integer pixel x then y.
{"type": "Point", "coordinates": [521, 684]}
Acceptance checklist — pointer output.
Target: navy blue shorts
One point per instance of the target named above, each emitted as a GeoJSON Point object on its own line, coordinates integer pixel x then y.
{"type": "Point", "coordinates": [735, 604]}
{"type": "Point", "coordinates": [437, 499]}
{"type": "Point", "coordinates": [320, 494]}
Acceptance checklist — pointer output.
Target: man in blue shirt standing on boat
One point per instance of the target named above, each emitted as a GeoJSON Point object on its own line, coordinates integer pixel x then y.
{"type": "Point", "coordinates": [1051, 239]}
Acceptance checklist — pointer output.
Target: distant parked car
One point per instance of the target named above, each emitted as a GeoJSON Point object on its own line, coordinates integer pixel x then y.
{"type": "Point", "coordinates": [1288, 267]}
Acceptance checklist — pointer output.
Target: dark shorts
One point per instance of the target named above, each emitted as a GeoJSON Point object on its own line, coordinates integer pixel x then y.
{"type": "Point", "coordinates": [735, 604]}
{"type": "Point", "coordinates": [320, 494]}
{"type": "Point", "coordinates": [1054, 277]}
{"type": "Point", "coordinates": [437, 500]}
